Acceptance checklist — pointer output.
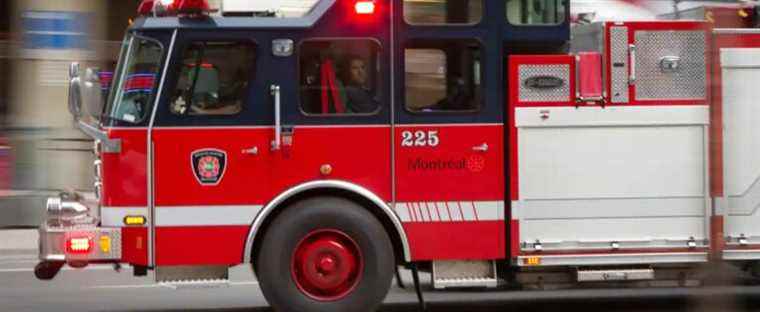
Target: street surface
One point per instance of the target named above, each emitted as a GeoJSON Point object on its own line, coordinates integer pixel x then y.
{"type": "Point", "coordinates": [99, 288]}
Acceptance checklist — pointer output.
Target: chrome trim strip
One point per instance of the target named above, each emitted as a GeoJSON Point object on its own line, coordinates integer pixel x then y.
{"type": "Point", "coordinates": [749, 31]}
{"type": "Point", "coordinates": [108, 145]}
{"type": "Point", "coordinates": [615, 259]}
{"type": "Point", "coordinates": [745, 254]}
{"type": "Point", "coordinates": [334, 184]}
{"type": "Point", "coordinates": [150, 173]}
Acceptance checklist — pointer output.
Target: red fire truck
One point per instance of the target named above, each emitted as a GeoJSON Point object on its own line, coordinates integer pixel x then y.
{"type": "Point", "coordinates": [468, 138]}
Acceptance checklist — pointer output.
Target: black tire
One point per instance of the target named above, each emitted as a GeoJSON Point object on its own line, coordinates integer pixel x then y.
{"type": "Point", "coordinates": [274, 262]}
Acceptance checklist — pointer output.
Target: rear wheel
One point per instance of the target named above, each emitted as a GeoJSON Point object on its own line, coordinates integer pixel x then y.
{"type": "Point", "coordinates": [325, 254]}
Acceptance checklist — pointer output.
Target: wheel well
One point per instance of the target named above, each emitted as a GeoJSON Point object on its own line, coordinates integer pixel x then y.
{"type": "Point", "coordinates": [398, 247]}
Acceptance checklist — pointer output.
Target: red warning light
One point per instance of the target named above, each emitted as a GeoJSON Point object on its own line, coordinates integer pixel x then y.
{"type": "Point", "coordinates": [146, 7]}
{"type": "Point", "coordinates": [365, 7]}
{"type": "Point", "coordinates": [191, 6]}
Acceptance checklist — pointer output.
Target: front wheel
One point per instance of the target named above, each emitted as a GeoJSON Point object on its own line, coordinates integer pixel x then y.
{"type": "Point", "coordinates": [325, 254]}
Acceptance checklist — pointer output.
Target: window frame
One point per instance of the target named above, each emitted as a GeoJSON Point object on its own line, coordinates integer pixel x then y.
{"type": "Point", "coordinates": [114, 92]}
{"type": "Point", "coordinates": [481, 103]}
{"type": "Point", "coordinates": [377, 78]}
{"type": "Point", "coordinates": [471, 24]}
{"type": "Point", "coordinates": [565, 16]}
{"type": "Point", "coordinates": [251, 76]}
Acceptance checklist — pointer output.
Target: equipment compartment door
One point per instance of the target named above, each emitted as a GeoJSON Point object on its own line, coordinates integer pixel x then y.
{"type": "Point", "coordinates": [737, 185]}
{"type": "Point", "coordinates": [449, 173]}
{"type": "Point", "coordinates": [590, 180]}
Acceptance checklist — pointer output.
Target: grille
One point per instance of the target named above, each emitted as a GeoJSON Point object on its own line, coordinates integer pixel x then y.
{"type": "Point", "coordinates": [619, 61]}
{"type": "Point", "coordinates": [560, 94]}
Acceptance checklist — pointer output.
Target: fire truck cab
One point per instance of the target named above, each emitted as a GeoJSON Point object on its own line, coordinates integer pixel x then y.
{"type": "Point", "coordinates": [328, 142]}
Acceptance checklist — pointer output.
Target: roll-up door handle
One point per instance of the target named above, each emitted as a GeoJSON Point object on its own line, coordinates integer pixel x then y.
{"type": "Point", "coordinates": [632, 75]}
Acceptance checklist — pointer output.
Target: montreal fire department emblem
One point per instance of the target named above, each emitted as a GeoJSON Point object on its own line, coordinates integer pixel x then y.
{"type": "Point", "coordinates": [209, 165]}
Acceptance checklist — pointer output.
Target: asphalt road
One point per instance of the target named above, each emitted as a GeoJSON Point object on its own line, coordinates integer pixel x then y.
{"type": "Point", "coordinates": [99, 288]}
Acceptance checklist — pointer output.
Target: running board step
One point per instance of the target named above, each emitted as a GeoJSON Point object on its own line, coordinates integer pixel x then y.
{"type": "Point", "coordinates": [464, 274]}
{"type": "Point", "coordinates": [196, 284]}
{"type": "Point", "coordinates": [191, 274]}
{"type": "Point", "coordinates": [613, 275]}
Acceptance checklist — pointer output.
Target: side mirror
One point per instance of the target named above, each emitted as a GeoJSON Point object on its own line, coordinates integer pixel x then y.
{"type": "Point", "coordinates": [91, 75]}
{"type": "Point", "coordinates": [73, 70]}
{"type": "Point", "coordinates": [75, 92]}
{"type": "Point", "coordinates": [92, 98]}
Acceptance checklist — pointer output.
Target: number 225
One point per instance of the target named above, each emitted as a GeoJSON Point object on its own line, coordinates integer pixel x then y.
{"type": "Point", "coordinates": [420, 138]}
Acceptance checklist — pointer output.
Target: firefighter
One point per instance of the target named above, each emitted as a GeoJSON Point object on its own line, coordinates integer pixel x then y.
{"type": "Point", "coordinates": [359, 95]}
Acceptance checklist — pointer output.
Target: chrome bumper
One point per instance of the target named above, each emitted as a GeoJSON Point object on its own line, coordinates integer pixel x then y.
{"type": "Point", "coordinates": [70, 221]}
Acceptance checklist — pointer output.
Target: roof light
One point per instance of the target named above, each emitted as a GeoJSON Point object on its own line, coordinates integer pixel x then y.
{"type": "Point", "coordinates": [146, 7]}
{"type": "Point", "coordinates": [191, 6]}
{"type": "Point", "coordinates": [365, 7]}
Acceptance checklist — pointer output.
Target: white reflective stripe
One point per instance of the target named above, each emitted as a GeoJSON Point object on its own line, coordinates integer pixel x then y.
{"type": "Point", "coordinates": [456, 211]}
{"type": "Point", "coordinates": [443, 211]}
{"type": "Point", "coordinates": [114, 216]}
{"type": "Point", "coordinates": [421, 213]}
{"type": "Point", "coordinates": [206, 215]}
{"type": "Point", "coordinates": [516, 210]}
{"type": "Point", "coordinates": [402, 211]}
{"type": "Point", "coordinates": [184, 215]}
{"type": "Point", "coordinates": [489, 211]}
{"type": "Point", "coordinates": [612, 116]}
{"type": "Point", "coordinates": [467, 211]}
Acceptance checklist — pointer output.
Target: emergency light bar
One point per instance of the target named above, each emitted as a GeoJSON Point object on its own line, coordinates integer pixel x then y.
{"type": "Point", "coordinates": [174, 7]}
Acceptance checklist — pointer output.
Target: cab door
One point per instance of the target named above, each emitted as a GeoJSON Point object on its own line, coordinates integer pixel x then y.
{"type": "Point", "coordinates": [448, 134]}
{"type": "Point", "coordinates": [210, 140]}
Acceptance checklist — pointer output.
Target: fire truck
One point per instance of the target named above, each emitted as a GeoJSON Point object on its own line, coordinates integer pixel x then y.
{"type": "Point", "coordinates": [328, 146]}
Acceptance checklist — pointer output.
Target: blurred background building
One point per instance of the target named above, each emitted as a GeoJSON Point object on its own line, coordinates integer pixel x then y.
{"type": "Point", "coordinates": [41, 152]}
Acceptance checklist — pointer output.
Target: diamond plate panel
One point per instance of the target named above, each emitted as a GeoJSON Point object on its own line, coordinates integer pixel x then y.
{"type": "Point", "coordinates": [528, 94]}
{"type": "Point", "coordinates": [619, 62]}
{"type": "Point", "coordinates": [654, 81]}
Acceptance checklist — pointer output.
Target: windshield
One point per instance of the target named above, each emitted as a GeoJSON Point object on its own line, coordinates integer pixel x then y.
{"type": "Point", "coordinates": [135, 80]}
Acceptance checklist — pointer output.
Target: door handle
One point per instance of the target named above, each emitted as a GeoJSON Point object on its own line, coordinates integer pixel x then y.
{"type": "Point", "coordinates": [277, 142]}
{"type": "Point", "coordinates": [251, 151]}
{"type": "Point", "coordinates": [481, 148]}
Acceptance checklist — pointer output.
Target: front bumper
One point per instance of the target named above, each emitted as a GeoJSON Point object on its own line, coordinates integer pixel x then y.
{"type": "Point", "coordinates": [71, 234]}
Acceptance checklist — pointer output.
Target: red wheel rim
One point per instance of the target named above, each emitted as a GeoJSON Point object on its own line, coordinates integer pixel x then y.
{"type": "Point", "coordinates": [327, 265]}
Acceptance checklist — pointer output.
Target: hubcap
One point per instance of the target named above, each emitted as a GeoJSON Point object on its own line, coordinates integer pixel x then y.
{"type": "Point", "coordinates": [327, 265]}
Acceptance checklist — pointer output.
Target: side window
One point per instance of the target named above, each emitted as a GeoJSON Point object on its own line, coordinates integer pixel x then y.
{"type": "Point", "coordinates": [432, 12]}
{"type": "Point", "coordinates": [443, 77]}
{"type": "Point", "coordinates": [213, 78]}
{"type": "Point", "coordinates": [339, 77]}
{"type": "Point", "coordinates": [536, 12]}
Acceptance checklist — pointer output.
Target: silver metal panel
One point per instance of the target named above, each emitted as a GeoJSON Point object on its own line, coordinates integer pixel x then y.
{"type": "Point", "coordinates": [617, 259]}
{"type": "Point", "coordinates": [528, 94]}
{"type": "Point", "coordinates": [658, 49]}
{"type": "Point", "coordinates": [191, 273]}
{"type": "Point", "coordinates": [52, 242]}
{"type": "Point", "coordinates": [619, 63]}
{"type": "Point", "coordinates": [459, 274]}
{"type": "Point", "coordinates": [615, 275]}
{"type": "Point", "coordinates": [528, 246]}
